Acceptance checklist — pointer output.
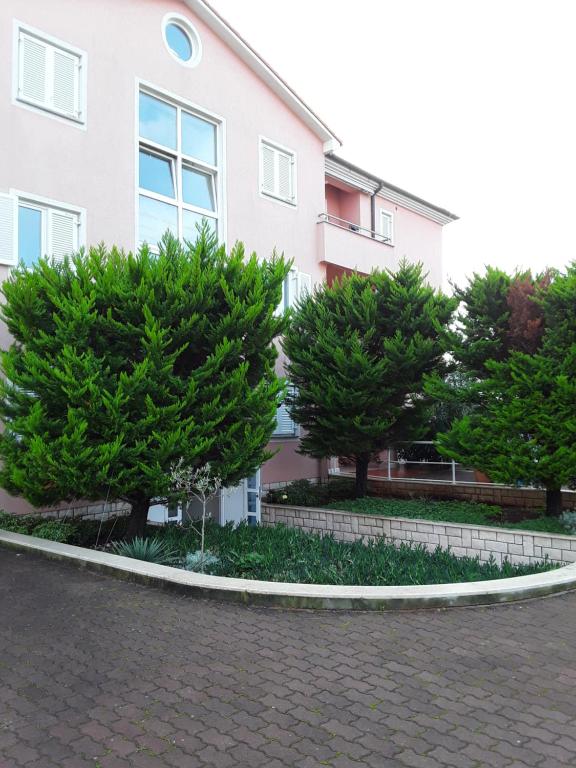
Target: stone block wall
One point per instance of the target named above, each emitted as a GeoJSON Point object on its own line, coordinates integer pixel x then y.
{"type": "Point", "coordinates": [505, 496]}
{"type": "Point", "coordinates": [515, 545]}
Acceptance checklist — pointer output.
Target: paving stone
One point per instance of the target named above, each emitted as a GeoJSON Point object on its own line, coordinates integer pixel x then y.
{"type": "Point", "coordinates": [99, 672]}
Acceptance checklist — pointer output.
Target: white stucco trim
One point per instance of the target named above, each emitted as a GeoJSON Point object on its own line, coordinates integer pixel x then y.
{"type": "Point", "coordinates": [368, 184]}
{"type": "Point", "coordinates": [190, 30]}
{"type": "Point", "coordinates": [81, 122]}
{"type": "Point", "coordinates": [257, 64]}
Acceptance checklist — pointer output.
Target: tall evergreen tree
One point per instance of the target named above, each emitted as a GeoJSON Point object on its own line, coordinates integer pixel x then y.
{"type": "Point", "coordinates": [522, 427]}
{"type": "Point", "coordinates": [122, 364]}
{"type": "Point", "coordinates": [358, 351]}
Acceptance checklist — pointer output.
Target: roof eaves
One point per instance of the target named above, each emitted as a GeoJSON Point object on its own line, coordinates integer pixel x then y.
{"type": "Point", "coordinates": [385, 185]}
{"type": "Point", "coordinates": [250, 57]}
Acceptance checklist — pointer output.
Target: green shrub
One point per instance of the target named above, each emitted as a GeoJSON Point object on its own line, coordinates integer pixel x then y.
{"type": "Point", "coordinates": [13, 523]}
{"type": "Point", "coordinates": [55, 530]}
{"type": "Point", "coordinates": [154, 550]}
{"type": "Point", "coordinates": [198, 561]}
{"type": "Point", "coordinates": [303, 493]}
{"type": "Point", "coordinates": [278, 553]}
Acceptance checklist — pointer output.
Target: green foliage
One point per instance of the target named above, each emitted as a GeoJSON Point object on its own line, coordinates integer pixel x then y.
{"type": "Point", "coordinates": [14, 523]}
{"type": "Point", "coordinates": [121, 364]}
{"type": "Point", "coordinates": [55, 530]}
{"type": "Point", "coordinates": [518, 337]}
{"type": "Point", "coordinates": [303, 493]}
{"type": "Point", "coordinates": [358, 351]}
{"type": "Point", "coordinates": [152, 550]}
{"type": "Point", "coordinates": [287, 554]}
{"type": "Point", "coordinates": [464, 512]}
{"type": "Point", "coordinates": [200, 561]}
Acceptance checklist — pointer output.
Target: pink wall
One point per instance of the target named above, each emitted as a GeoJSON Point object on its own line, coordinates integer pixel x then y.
{"type": "Point", "coordinates": [416, 238]}
{"type": "Point", "coordinates": [95, 168]}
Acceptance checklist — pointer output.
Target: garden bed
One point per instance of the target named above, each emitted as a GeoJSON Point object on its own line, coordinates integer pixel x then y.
{"type": "Point", "coordinates": [281, 554]}
{"type": "Point", "coordinates": [337, 495]}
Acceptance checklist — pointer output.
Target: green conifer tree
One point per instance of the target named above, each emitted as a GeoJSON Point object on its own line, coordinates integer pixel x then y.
{"type": "Point", "coordinates": [523, 426]}
{"type": "Point", "coordinates": [122, 364]}
{"type": "Point", "coordinates": [358, 351]}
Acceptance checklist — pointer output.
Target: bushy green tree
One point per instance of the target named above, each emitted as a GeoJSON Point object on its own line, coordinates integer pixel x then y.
{"type": "Point", "coordinates": [358, 351]}
{"type": "Point", "coordinates": [122, 364]}
{"type": "Point", "coordinates": [522, 425]}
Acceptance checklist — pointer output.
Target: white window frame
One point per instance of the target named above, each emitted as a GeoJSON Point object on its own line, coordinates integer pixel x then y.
{"type": "Point", "coordinates": [217, 172]}
{"type": "Point", "coordinates": [274, 145]}
{"type": "Point", "coordinates": [384, 212]}
{"type": "Point", "coordinates": [46, 205]}
{"type": "Point", "coordinates": [190, 31]}
{"type": "Point", "coordinates": [17, 100]}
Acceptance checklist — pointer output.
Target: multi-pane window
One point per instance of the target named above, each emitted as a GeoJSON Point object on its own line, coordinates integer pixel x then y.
{"type": "Point", "coordinates": [277, 172]}
{"type": "Point", "coordinates": [50, 75]}
{"type": "Point", "coordinates": [178, 170]}
{"type": "Point", "coordinates": [387, 226]}
{"type": "Point", "coordinates": [45, 230]}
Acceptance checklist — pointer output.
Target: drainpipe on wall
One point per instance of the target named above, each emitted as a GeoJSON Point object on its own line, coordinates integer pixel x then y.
{"type": "Point", "coordinates": [373, 208]}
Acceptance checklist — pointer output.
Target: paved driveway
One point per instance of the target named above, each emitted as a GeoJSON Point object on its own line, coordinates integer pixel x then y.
{"type": "Point", "coordinates": [99, 673]}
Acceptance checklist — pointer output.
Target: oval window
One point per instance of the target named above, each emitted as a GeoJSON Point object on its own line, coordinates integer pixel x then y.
{"type": "Point", "coordinates": [178, 42]}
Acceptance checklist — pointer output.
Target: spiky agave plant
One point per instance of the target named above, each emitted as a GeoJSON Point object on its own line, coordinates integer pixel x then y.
{"type": "Point", "coordinates": [152, 550]}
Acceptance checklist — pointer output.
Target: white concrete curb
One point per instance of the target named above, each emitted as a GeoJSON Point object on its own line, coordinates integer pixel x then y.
{"type": "Point", "coordinates": [302, 595]}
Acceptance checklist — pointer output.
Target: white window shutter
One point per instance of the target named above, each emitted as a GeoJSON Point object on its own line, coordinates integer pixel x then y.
{"type": "Point", "coordinates": [284, 176]}
{"type": "Point", "coordinates": [62, 234]}
{"type": "Point", "coordinates": [292, 287]}
{"type": "Point", "coordinates": [282, 306]}
{"type": "Point", "coordinates": [8, 229]}
{"type": "Point", "coordinates": [284, 423]}
{"type": "Point", "coordinates": [32, 80]}
{"type": "Point", "coordinates": [304, 284]}
{"type": "Point", "coordinates": [268, 170]}
{"type": "Point", "coordinates": [65, 83]}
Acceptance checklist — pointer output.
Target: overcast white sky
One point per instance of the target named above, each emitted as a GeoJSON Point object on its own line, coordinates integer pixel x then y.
{"type": "Point", "coordinates": [467, 103]}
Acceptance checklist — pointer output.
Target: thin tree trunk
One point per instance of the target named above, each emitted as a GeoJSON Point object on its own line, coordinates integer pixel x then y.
{"type": "Point", "coordinates": [553, 502]}
{"type": "Point", "coordinates": [138, 518]}
{"type": "Point", "coordinates": [361, 476]}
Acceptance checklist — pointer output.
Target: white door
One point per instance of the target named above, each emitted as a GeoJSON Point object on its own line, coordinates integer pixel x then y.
{"type": "Point", "coordinates": [159, 514]}
{"type": "Point", "coordinates": [242, 503]}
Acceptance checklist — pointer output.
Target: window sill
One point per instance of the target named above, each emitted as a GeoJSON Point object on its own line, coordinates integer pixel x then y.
{"type": "Point", "coordinates": [77, 122]}
{"type": "Point", "coordinates": [281, 200]}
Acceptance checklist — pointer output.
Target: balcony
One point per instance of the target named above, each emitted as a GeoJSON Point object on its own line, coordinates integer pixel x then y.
{"type": "Point", "coordinates": [351, 246]}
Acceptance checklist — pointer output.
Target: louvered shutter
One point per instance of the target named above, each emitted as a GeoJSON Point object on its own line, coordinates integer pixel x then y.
{"type": "Point", "coordinates": [304, 284]}
{"type": "Point", "coordinates": [49, 76]}
{"type": "Point", "coordinates": [284, 176]}
{"type": "Point", "coordinates": [284, 424]}
{"type": "Point", "coordinates": [65, 83]}
{"type": "Point", "coordinates": [268, 170]}
{"type": "Point", "coordinates": [62, 234]}
{"type": "Point", "coordinates": [32, 83]}
{"type": "Point", "coordinates": [8, 229]}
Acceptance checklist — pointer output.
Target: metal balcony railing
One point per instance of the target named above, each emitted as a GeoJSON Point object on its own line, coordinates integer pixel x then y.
{"type": "Point", "coordinates": [336, 221]}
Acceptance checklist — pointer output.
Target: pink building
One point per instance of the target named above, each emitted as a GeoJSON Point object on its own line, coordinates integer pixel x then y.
{"type": "Point", "coordinates": [120, 120]}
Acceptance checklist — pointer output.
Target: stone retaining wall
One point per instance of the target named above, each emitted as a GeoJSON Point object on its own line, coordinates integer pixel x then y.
{"type": "Point", "coordinates": [505, 496]}
{"type": "Point", "coordinates": [517, 546]}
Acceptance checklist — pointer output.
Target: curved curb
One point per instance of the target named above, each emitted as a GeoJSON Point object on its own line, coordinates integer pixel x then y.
{"type": "Point", "coordinates": [285, 595]}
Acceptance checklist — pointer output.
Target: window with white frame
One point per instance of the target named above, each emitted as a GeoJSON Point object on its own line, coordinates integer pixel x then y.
{"type": "Point", "coordinates": [31, 228]}
{"type": "Point", "coordinates": [179, 170]}
{"type": "Point", "coordinates": [295, 286]}
{"type": "Point", "coordinates": [277, 172]}
{"type": "Point", "coordinates": [50, 75]}
{"type": "Point", "coordinates": [387, 226]}
{"type": "Point", "coordinates": [285, 424]}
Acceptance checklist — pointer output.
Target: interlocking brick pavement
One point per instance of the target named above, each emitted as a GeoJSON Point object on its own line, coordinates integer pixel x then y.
{"type": "Point", "coordinates": [99, 673]}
